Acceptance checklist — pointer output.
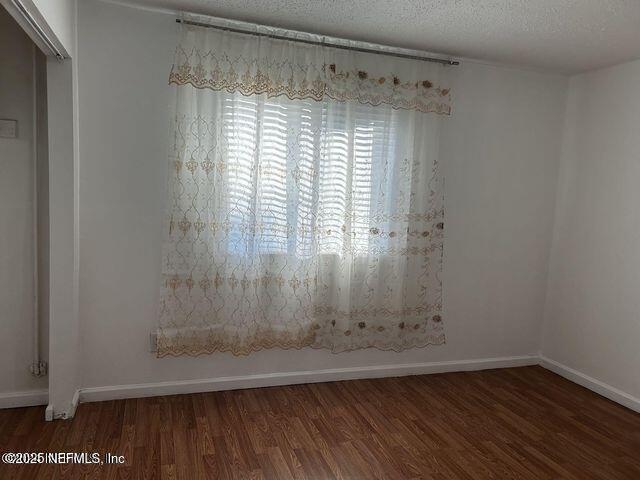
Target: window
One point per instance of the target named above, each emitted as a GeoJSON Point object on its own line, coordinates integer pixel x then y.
{"type": "Point", "coordinates": [298, 169]}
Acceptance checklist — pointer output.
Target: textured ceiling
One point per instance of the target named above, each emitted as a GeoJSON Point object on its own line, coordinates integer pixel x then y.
{"type": "Point", "coordinates": [561, 35]}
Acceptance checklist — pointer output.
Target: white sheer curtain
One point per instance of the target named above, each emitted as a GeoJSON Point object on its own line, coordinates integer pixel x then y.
{"type": "Point", "coordinates": [305, 200]}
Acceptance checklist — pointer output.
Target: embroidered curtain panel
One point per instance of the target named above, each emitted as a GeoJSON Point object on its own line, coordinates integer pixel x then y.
{"type": "Point", "coordinates": [305, 200]}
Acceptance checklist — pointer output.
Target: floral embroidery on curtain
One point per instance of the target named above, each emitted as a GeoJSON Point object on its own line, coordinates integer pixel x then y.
{"type": "Point", "coordinates": [305, 199]}
{"type": "Point", "coordinates": [301, 78]}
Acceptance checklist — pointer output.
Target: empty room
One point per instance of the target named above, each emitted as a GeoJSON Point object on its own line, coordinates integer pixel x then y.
{"type": "Point", "coordinates": [346, 239]}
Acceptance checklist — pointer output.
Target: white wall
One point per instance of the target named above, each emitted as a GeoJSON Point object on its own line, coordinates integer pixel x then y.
{"type": "Point", "coordinates": [16, 211]}
{"type": "Point", "coordinates": [500, 151]}
{"type": "Point", "coordinates": [592, 319]}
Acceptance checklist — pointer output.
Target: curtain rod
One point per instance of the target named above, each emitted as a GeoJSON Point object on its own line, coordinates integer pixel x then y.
{"type": "Point", "coordinates": [311, 42]}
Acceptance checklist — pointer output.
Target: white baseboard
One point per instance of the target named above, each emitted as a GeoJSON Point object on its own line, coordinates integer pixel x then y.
{"type": "Point", "coordinates": [97, 394]}
{"type": "Point", "coordinates": [28, 398]}
{"type": "Point", "coordinates": [73, 407]}
{"type": "Point", "coordinates": [48, 413]}
{"type": "Point", "coordinates": [51, 414]}
{"type": "Point", "coordinates": [597, 386]}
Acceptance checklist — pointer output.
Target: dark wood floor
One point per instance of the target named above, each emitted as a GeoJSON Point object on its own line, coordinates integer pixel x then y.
{"type": "Point", "coordinates": [516, 423]}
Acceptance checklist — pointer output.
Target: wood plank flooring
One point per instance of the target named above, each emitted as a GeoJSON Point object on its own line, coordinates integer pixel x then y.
{"type": "Point", "coordinates": [520, 423]}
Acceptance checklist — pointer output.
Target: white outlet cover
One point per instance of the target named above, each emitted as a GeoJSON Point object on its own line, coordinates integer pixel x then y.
{"type": "Point", "coordinates": [8, 128]}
